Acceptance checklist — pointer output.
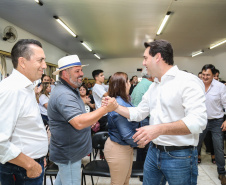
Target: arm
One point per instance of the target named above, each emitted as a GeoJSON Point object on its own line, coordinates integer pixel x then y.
{"type": "Point", "coordinates": [193, 122]}
{"type": "Point", "coordinates": [8, 151]}
{"type": "Point", "coordinates": [223, 102]}
{"type": "Point", "coordinates": [147, 133]}
{"type": "Point", "coordinates": [124, 128]}
{"type": "Point", "coordinates": [45, 105]}
{"type": "Point", "coordinates": [88, 119]}
{"type": "Point", "coordinates": [33, 168]}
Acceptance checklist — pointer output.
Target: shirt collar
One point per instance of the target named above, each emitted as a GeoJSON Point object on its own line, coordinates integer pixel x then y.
{"type": "Point", "coordinates": [24, 81]}
{"type": "Point", "coordinates": [171, 72]}
{"type": "Point", "coordinates": [65, 83]}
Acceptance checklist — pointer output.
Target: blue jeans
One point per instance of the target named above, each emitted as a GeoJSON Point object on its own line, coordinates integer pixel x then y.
{"type": "Point", "coordinates": [11, 174]}
{"type": "Point", "coordinates": [177, 167]}
{"type": "Point", "coordinates": [69, 174]}
{"type": "Point", "coordinates": [214, 126]}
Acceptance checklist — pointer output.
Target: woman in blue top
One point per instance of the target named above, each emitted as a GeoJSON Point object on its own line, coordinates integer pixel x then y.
{"type": "Point", "coordinates": [118, 148]}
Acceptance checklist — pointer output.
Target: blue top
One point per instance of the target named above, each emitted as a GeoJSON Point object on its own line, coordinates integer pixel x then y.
{"type": "Point", "coordinates": [120, 129]}
{"type": "Point", "coordinates": [67, 143]}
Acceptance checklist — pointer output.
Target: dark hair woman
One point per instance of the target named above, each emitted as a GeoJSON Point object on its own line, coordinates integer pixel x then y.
{"type": "Point", "coordinates": [118, 148]}
{"type": "Point", "coordinates": [88, 100]}
{"type": "Point", "coordinates": [43, 101]}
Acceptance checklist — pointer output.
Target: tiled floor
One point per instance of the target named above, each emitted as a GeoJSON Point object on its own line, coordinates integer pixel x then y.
{"type": "Point", "coordinates": [207, 174]}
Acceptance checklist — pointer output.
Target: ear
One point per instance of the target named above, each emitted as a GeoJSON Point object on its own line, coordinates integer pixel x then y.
{"type": "Point", "coordinates": [21, 62]}
{"type": "Point", "coordinates": [158, 57]}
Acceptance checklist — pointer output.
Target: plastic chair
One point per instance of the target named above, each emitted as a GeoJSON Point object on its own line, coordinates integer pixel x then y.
{"type": "Point", "coordinates": [97, 167]}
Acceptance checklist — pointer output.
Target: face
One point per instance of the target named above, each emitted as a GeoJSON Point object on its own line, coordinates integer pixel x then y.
{"type": "Point", "coordinates": [216, 76]}
{"type": "Point", "coordinates": [135, 79]}
{"type": "Point", "coordinates": [82, 91]}
{"type": "Point", "coordinates": [200, 75]}
{"type": "Point", "coordinates": [207, 76]}
{"type": "Point", "coordinates": [100, 77]}
{"type": "Point", "coordinates": [75, 76]}
{"type": "Point", "coordinates": [33, 68]}
{"type": "Point", "coordinates": [128, 85]}
{"type": "Point", "coordinates": [148, 62]}
{"type": "Point", "coordinates": [46, 79]}
{"type": "Point", "coordinates": [48, 89]}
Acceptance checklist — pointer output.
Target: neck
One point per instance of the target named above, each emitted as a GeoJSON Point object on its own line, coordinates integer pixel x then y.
{"type": "Point", "coordinates": [98, 82]}
{"type": "Point", "coordinates": [163, 70]}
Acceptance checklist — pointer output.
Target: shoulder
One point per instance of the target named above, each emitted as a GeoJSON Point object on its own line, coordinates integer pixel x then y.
{"type": "Point", "coordinates": [122, 102]}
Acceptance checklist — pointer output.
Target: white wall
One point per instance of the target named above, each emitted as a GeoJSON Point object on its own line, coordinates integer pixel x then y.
{"type": "Point", "coordinates": [130, 65]}
{"type": "Point", "coordinates": [53, 54]}
{"type": "Point", "coordinates": [110, 66]}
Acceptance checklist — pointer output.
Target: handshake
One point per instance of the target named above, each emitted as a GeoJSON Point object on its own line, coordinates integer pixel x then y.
{"type": "Point", "coordinates": [109, 103]}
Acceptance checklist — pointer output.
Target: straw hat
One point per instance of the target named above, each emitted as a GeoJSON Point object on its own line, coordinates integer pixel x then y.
{"type": "Point", "coordinates": [68, 62]}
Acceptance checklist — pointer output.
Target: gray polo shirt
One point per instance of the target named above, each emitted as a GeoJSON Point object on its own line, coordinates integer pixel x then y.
{"type": "Point", "coordinates": [67, 143]}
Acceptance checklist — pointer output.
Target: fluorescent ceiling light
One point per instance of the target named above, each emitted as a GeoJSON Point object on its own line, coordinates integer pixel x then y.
{"type": "Point", "coordinates": [96, 55]}
{"type": "Point", "coordinates": [39, 2]}
{"type": "Point", "coordinates": [163, 22]}
{"type": "Point", "coordinates": [197, 53]}
{"type": "Point", "coordinates": [65, 26]}
{"type": "Point", "coordinates": [218, 44]}
{"type": "Point", "coordinates": [86, 46]}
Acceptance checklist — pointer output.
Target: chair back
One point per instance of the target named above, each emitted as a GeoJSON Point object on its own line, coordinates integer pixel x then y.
{"type": "Point", "coordinates": [98, 139]}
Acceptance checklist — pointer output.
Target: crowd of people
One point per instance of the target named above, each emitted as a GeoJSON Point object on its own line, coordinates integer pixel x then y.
{"type": "Point", "coordinates": [166, 119]}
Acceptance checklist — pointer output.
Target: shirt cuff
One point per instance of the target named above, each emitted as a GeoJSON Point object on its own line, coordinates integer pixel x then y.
{"type": "Point", "coordinates": [12, 153]}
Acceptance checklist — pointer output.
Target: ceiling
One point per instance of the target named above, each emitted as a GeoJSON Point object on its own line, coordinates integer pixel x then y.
{"type": "Point", "coordinates": [118, 28]}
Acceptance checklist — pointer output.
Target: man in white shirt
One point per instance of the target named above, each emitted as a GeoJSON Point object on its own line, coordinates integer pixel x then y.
{"type": "Point", "coordinates": [176, 104]}
{"type": "Point", "coordinates": [100, 90]}
{"type": "Point", "coordinates": [23, 141]}
{"type": "Point", "coordinates": [215, 92]}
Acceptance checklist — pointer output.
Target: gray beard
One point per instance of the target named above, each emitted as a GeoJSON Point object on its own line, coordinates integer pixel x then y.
{"type": "Point", "coordinates": [77, 84]}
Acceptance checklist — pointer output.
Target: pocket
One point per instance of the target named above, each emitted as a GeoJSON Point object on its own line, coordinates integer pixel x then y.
{"type": "Point", "coordinates": [181, 154]}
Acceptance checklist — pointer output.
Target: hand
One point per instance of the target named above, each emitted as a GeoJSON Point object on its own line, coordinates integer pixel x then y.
{"type": "Point", "coordinates": [146, 134]}
{"type": "Point", "coordinates": [111, 104]}
{"type": "Point", "coordinates": [34, 170]}
{"type": "Point", "coordinates": [45, 163]}
{"type": "Point", "coordinates": [105, 101]}
{"type": "Point", "coordinates": [141, 146]}
{"type": "Point", "coordinates": [223, 126]}
{"type": "Point", "coordinates": [87, 100]}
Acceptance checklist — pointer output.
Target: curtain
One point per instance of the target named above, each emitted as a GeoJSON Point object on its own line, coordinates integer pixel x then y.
{"type": "Point", "coordinates": [3, 69]}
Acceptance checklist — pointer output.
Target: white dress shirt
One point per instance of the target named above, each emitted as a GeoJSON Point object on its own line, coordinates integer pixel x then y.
{"type": "Point", "coordinates": [179, 96]}
{"type": "Point", "coordinates": [21, 125]}
{"type": "Point", "coordinates": [216, 100]}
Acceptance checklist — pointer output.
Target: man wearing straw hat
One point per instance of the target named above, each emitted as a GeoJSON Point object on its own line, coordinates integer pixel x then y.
{"type": "Point", "coordinates": [69, 123]}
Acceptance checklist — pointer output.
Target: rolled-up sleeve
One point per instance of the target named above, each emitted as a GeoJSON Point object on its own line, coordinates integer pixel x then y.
{"type": "Point", "coordinates": [193, 98]}
{"type": "Point", "coordinates": [9, 111]}
{"type": "Point", "coordinates": [140, 112]}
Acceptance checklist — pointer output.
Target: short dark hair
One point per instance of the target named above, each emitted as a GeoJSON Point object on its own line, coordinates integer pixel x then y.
{"type": "Point", "coordinates": [43, 75]}
{"type": "Point", "coordinates": [117, 86]}
{"type": "Point", "coordinates": [96, 72]}
{"type": "Point", "coordinates": [209, 66]}
{"type": "Point", "coordinates": [163, 47]}
{"type": "Point", "coordinates": [84, 86]}
{"type": "Point", "coordinates": [200, 72]}
{"type": "Point", "coordinates": [22, 49]}
{"type": "Point", "coordinates": [217, 71]}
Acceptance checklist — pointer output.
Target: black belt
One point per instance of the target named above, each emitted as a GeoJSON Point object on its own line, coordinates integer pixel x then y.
{"type": "Point", "coordinates": [214, 119]}
{"type": "Point", "coordinates": [171, 148]}
{"type": "Point", "coordinates": [39, 159]}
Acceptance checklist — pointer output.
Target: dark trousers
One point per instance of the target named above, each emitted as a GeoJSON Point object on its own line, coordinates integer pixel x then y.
{"type": "Point", "coordinates": [11, 174]}
{"type": "Point", "coordinates": [214, 126]}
